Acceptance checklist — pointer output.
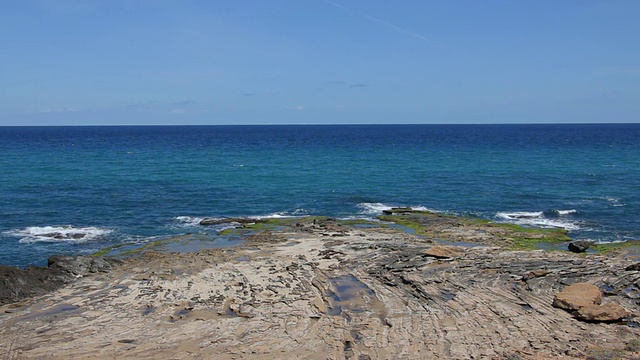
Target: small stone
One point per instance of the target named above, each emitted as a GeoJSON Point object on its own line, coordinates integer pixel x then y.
{"type": "Point", "coordinates": [603, 313]}
{"type": "Point", "coordinates": [579, 246]}
{"type": "Point", "coordinates": [577, 296]}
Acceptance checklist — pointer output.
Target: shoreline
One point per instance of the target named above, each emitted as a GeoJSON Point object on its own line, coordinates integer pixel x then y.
{"type": "Point", "coordinates": [319, 288]}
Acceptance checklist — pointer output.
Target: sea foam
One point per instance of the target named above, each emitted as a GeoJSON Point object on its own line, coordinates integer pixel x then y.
{"type": "Point", "coordinates": [377, 208]}
{"type": "Point", "coordinates": [66, 233]}
{"type": "Point", "coordinates": [545, 219]}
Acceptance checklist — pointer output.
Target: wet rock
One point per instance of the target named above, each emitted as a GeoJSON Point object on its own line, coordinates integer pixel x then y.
{"type": "Point", "coordinates": [608, 312]}
{"type": "Point", "coordinates": [398, 210]}
{"type": "Point", "coordinates": [219, 221]}
{"type": "Point", "coordinates": [443, 252]}
{"type": "Point", "coordinates": [577, 296]}
{"type": "Point", "coordinates": [579, 246]}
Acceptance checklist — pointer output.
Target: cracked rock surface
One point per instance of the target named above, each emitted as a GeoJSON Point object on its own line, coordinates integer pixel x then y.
{"type": "Point", "coordinates": [327, 291]}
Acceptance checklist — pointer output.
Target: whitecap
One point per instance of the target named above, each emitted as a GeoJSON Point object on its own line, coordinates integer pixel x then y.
{"type": "Point", "coordinates": [66, 233]}
{"type": "Point", "coordinates": [377, 208]}
{"type": "Point", "coordinates": [372, 208]}
{"type": "Point", "coordinates": [188, 220]}
{"type": "Point", "coordinates": [520, 215]}
{"type": "Point", "coordinates": [538, 219]}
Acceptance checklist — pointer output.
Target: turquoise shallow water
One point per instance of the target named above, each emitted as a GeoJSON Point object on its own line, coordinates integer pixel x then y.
{"type": "Point", "coordinates": [134, 184]}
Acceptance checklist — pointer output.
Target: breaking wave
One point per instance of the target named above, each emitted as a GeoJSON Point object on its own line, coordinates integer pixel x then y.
{"type": "Point", "coordinates": [546, 219]}
{"type": "Point", "coordinates": [66, 233]}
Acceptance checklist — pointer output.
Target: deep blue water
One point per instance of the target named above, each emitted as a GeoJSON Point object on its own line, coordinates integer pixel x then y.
{"type": "Point", "coordinates": [124, 184]}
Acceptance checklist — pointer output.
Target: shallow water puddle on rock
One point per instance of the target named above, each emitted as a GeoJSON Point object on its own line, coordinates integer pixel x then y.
{"type": "Point", "coordinates": [52, 311]}
{"type": "Point", "coordinates": [349, 293]}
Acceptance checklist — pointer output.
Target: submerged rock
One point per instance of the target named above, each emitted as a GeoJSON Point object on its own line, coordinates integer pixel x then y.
{"type": "Point", "coordinates": [579, 246]}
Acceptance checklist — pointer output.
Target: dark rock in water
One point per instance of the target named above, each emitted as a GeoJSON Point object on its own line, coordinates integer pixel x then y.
{"type": "Point", "coordinates": [401, 210]}
{"type": "Point", "coordinates": [579, 246]}
{"type": "Point", "coordinates": [17, 284]}
{"type": "Point", "coordinates": [210, 221]}
{"type": "Point", "coordinates": [633, 267]}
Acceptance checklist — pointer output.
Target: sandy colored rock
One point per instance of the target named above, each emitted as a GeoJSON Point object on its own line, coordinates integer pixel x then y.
{"type": "Point", "coordinates": [576, 296]}
{"type": "Point", "coordinates": [444, 252]}
{"type": "Point", "coordinates": [534, 274]}
{"type": "Point", "coordinates": [606, 312]}
{"type": "Point", "coordinates": [369, 294]}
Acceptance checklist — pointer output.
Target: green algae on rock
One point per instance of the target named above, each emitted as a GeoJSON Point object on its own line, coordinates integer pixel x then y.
{"type": "Point", "coordinates": [474, 230]}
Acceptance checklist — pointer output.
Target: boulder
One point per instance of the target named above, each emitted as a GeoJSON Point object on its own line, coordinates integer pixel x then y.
{"type": "Point", "coordinates": [443, 252]}
{"type": "Point", "coordinates": [608, 312]}
{"type": "Point", "coordinates": [577, 296]}
{"type": "Point", "coordinates": [579, 246]}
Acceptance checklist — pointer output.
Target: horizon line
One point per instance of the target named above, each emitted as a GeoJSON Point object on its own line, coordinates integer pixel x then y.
{"type": "Point", "coordinates": [327, 124]}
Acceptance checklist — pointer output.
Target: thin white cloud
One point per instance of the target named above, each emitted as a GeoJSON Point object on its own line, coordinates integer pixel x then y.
{"type": "Point", "coordinates": [58, 110]}
{"type": "Point", "coordinates": [382, 22]}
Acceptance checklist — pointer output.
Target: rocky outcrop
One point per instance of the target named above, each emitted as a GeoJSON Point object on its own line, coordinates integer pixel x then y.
{"type": "Point", "coordinates": [17, 284]}
{"type": "Point", "coordinates": [370, 293]}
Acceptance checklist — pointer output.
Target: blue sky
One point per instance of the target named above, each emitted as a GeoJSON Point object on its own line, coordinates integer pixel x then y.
{"type": "Point", "coordinates": [72, 62]}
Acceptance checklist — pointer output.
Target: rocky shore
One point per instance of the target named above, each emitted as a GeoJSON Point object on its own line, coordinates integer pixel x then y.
{"type": "Point", "coordinates": [316, 288]}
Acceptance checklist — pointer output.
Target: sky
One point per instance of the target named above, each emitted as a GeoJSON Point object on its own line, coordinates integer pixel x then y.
{"type": "Point", "coordinates": [144, 62]}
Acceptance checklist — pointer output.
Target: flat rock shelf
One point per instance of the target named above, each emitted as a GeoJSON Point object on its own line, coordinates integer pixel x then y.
{"type": "Point", "coordinates": [317, 288]}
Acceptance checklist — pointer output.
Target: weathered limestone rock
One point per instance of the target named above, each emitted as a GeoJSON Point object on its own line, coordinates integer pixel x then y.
{"type": "Point", "coordinates": [579, 246]}
{"type": "Point", "coordinates": [577, 296]}
{"type": "Point", "coordinates": [80, 265]}
{"type": "Point", "coordinates": [373, 293]}
{"type": "Point", "coordinates": [17, 284]}
{"type": "Point", "coordinates": [608, 312]}
{"type": "Point", "coordinates": [443, 252]}
{"type": "Point", "coordinates": [534, 274]}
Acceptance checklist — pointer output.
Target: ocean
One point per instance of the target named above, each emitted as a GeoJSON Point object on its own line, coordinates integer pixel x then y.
{"type": "Point", "coordinates": [76, 190]}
